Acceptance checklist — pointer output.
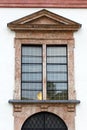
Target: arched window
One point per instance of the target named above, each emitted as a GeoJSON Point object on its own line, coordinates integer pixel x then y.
{"type": "Point", "coordinates": [44, 121]}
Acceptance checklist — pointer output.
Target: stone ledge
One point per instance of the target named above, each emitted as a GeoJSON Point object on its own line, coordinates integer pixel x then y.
{"type": "Point", "coordinates": [14, 101]}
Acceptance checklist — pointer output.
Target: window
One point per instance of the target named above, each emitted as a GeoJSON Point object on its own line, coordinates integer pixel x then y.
{"type": "Point", "coordinates": [44, 121]}
{"type": "Point", "coordinates": [44, 74]}
{"type": "Point", "coordinates": [31, 72]}
{"type": "Point", "coordinates": [56, 72]}
{"type": "Point", "coordinates": [44, 69]}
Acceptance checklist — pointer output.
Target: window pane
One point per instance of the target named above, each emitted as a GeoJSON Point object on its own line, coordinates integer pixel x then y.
{"type": "Point", "coordinates": [31, 72]}
{"type": "Point", "coordinates": [31, 95]}
{"type": "Point", "coordinates": [31, 59]}
{"type": "Point", "coordinates": [56, 51]}
{"type": "Point", "coordinates": [31, 68]}
{"type": "Point", "coordinates": [57, 77]}
{"type": "Point", "coordinates": [56, 86]}
{"type": "Point", "coordinates": [56, 68]}
{"type": "Point", "coordinates": [31, 77]}
{"type": "Point", "coordinates": [32, 50]}
{"type": "Point", "coordinates": [57, 95]}
{"type": "Point", "coordinates": [57, 73]}
{"type": "Point", "coordinates": [56, 60]}
{"type": "Point", "coordinates": [32, 86]}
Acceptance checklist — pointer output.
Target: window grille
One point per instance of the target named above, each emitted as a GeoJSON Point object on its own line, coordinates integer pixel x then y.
{"type": "Point", "coordinates": [44, 121]}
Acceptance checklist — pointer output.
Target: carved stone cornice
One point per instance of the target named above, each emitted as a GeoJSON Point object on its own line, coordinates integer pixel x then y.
{"type": "Point", "coordinates": [43, 3]}
{"type": "Point", "coordinates": [44, 20]}
{"type": "Point", "coordinates": [44, 27]}
{"type": "Point", "coordinates": [44, 105]}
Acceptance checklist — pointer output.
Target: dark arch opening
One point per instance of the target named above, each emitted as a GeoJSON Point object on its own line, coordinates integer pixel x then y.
{"type": "Point", "coordinates": [44, 121]}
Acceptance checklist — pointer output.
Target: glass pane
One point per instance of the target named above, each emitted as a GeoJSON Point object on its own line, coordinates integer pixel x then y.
{"type": "Point", "coordinates": [56, 60]}
{"type": "Point", "coordinates": [31, 68]}
{"type": "Point", "coordinates": [31, 59]}
{"type": "Point", "coordinates": [32, 50]}
{"type": "Point", "coordinates": [56, 51]}
{"type": "Point", "coordinates": [57, 95]}
{"type": "Point", "coordinates": [32, 72]}
{"type": "Point", "coordinates": [31, 77]}
{"type": "Point", "coordinates": [56, 73]}
{"type": "Point", "coordinates": [56, 77]}
{"type": "Point", "coordinates": [31, 95]}
{"type": "Point", "coordinates": [56, 86]}
{"type": "Point", "coordinates": [32, 86]}
{"type": "Point", "coordinates": [56, 68]}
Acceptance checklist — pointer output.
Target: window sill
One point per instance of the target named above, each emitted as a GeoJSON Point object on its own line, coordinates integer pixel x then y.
{"type": "Point", "coordinates": [14, 101]}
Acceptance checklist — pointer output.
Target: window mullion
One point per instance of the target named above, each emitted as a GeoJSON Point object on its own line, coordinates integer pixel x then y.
{"type": "Point", "coordinates": [44, 71]}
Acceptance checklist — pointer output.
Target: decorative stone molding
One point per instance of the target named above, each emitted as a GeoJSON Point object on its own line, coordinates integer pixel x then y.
{"type": "Point", "coordinates": [44, 104]}
{"type": "Point", "coordinates": [44, 20]}
{"type": "Point", "coordinates": [44, 107]}
{"type": "Point", "coordinates": [71, 108]}
{"type": "Point", "coordinates": [66, 111]}
{"type": "Point", "coordinates": [44, 3]}
{"type": "Point", "coordinates": [14, 101]}
{"type": "Point", "coordinates": [44, 28]}
{"type": "Point", "coordinates": [17, 108]}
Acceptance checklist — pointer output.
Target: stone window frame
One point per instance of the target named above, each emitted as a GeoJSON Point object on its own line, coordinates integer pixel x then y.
{"type": "Point", "coordinates": [23, 109]}
{"type": "Point", "coordinates": [44, 27]}
{"type": "Point", "coordinates": [70, 46]}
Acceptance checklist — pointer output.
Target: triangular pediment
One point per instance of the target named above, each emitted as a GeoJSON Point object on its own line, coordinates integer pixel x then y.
{"type": "Point", "coordinates": [44, 20]}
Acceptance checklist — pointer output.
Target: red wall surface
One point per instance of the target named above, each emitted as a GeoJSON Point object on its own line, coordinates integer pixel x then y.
{"type": "Point", "coordinates": [44, 3]}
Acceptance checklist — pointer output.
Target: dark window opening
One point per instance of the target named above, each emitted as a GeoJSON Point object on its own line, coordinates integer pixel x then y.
{"type": "Point", "coordinates": [44, 121]}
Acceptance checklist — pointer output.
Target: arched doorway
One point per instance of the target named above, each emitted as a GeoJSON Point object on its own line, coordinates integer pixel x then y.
{"type": "Point", "coordinates": [44, 121]}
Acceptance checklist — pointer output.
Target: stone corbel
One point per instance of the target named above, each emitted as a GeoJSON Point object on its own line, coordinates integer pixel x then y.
{"type": "Point", "coordinates": [44, 107]}
{"type": "Point", "coordinates": [17, 108]}
{"type": "Point", "coordinates": [71, 107]}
